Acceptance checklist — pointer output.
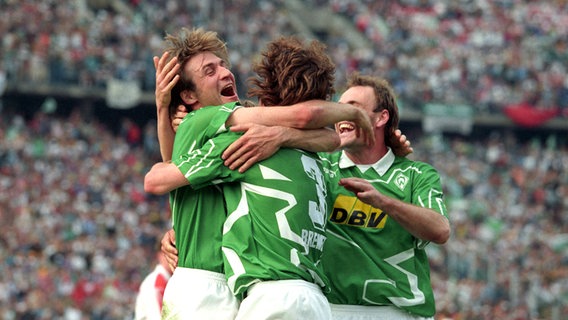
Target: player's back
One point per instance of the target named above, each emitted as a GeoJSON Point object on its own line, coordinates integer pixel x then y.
{"type": "Point", "coordinates": [275, 229]}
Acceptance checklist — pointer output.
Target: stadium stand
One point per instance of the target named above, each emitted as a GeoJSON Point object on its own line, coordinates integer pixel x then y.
{"type": "Point", "coordinates": [77, 229]}
{"type": "Point", "coordinates": [489, 56]}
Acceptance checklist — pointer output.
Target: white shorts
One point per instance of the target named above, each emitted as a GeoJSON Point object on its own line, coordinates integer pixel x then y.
{"type": "Point", "coordinates": [198, 294]}
{"type": "Point", "coordinates": [354, 312]}
{"type": "Point", "coordinates": [284, 299]}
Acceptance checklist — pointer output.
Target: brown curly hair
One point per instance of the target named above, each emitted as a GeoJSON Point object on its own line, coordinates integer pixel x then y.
{"type": "Point", "coordinates": [290, 72]}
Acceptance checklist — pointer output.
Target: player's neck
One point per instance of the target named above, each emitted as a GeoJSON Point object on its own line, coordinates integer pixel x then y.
{"type": "Point", "coordinates": [367, 155]}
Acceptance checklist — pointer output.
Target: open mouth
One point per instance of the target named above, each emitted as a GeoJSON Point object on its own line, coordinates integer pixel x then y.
{"type": "Point", "coordinates": [345, 127]}
{"type": "Point", "coordinates": [228, 91]}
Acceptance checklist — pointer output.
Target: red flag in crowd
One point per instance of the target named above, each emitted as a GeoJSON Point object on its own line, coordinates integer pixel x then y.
{"type": "Point", "coordinates": [527, 115]}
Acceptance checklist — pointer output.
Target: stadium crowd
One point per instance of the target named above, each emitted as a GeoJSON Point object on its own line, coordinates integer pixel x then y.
{"type": "Point", "coordinates": [485, 54]}
{"type": "Point", "coordinates": [488, 54]}
{"type": "Point", "coordinates": [507, 256]}
{"type": "Point", "coordinates": [78, 232]}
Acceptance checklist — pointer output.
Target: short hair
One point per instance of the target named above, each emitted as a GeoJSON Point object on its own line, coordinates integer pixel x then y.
{"type": "Point", "coordinates": [290, 72]}
{"type": "Point", "coordinates": [385, 98]}
{"type": "Point", "coordinates": [185, 45]}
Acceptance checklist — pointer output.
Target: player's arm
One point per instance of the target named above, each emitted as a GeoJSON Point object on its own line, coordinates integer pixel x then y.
{"type": "Point", "coordinates": [201, 167]}
{"type": "Point", "coordinates": [166, 78]}
{"type": "Point", "coordinates": [313, 114]}
{"type": "Point", "coordinates": [423, 223]}
{"type": "Point", "coordinates": [283, 123]}
{"type": "Point", "coordinates": [315, 140]}
{"type": "Point", "coordinates": [260, 142]}
{"type": "Point", "coordinates": [164, 177]}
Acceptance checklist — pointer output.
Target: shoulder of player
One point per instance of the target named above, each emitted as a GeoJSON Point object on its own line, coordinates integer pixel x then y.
{"type": "Point", "coordinates": [406, 162]}
{"type": "Point", "coordinates": [285, 153]}
{"type": "Point", "coordinates": [229, 107]}
{"type": "Point", "coordinates": [329, 156]}
{"type": "Point", "coordinates": [205, 115]}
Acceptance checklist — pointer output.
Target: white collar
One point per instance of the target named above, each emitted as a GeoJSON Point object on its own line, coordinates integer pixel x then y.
{"type": "Point", "coordinates": [380, 166]}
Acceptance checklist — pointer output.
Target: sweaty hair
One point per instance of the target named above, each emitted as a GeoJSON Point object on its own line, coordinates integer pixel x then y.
{"type": "Point", "coordinates": [385, 99]}
{"type": "Point", "coordinates": [290, 72]}
{"type": "Point", "coordinates": [185, 45]}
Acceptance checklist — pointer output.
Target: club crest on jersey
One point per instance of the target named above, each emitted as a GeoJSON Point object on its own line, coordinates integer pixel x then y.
{"type": "Point", "coordinates": [350, 211]}
{"type": "Point", "coordinates": [401, 181]}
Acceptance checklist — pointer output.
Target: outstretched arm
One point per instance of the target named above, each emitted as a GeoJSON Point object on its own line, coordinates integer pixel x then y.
{"type": "Point", "coordinates": [260, 142]}
{"type": "Point", "coordinates": [257, 145]}
{"type": "Point", "coordinates": [313, 114]}
{"type": "Point", "coordinates": [423, 223]}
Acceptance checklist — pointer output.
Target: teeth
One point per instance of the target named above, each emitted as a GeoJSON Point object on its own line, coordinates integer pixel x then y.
{"type": "Point", "coordinates": [346, 126]}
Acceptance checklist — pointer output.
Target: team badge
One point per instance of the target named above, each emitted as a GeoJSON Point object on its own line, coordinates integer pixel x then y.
{"type": "Point", "coordinates": [401, 181]}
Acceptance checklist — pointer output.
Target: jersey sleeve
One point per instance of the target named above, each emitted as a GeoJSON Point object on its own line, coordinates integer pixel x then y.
{"type": "Point", "coordinates": [199, 126]}
{"type": "Point", "coordinates": [204, 166]}
{"type": "Point", "coordinates": [427, 190]}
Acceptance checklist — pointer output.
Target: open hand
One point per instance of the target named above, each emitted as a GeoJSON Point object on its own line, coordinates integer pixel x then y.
{"type": "Point", "coordinates": [258, 143]}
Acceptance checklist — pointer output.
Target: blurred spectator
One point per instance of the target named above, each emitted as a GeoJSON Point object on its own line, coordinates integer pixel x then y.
{"type": "Point", "coordinates": [485, 54]}
{"type": "Point", "coordinates": [75, 222]}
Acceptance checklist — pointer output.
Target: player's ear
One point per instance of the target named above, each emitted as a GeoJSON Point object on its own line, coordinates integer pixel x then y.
{"type": "Point", "coordinates": [382, 118]}
{"type": "Point", "coordinates": [189, 97]}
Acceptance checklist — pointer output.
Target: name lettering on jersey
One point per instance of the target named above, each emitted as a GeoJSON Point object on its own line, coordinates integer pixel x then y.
{"type": "Point", "coordinates": [350, 211]}
{"type": "Point", "coordinates": [313, 239]}
{"type": "Point", "coordinates": [401, 181]}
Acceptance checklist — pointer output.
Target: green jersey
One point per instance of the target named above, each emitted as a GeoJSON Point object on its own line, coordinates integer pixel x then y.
{"type": "Point", "coordinates": [374, 260]}
{"type": "Point", "coordinates": [198, 215]}
{"type": "Point", "coordinates": [275, 229]}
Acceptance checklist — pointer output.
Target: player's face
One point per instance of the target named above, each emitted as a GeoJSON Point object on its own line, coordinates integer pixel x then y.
{"type": "Point", "coordinates": [361, 97]}
{"type": "Point", "coordinates": [215, 83]}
